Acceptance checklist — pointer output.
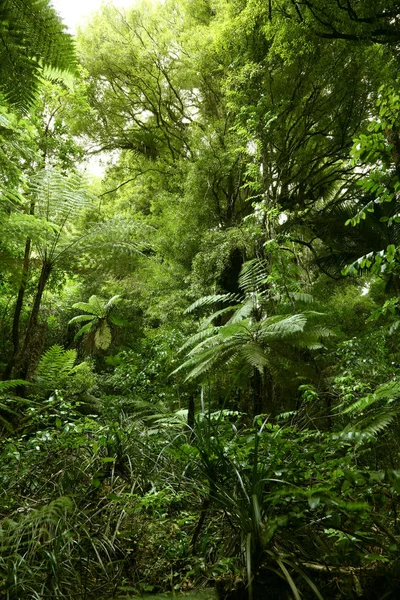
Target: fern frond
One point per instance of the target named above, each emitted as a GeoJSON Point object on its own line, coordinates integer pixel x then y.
{"type": "Point", "coordinates": [11, 384]}
{"type": "Point", "coordinates": [111, 302]}
{"type": "Point", "coordinates": [285, 326]}
{"type": "Point", "coordinates": [255, 356]}
{"type": "Point", "coordinates": [379, 423]}
{"type": "Point", "coordinates": [53, 366]}
{"type": "Point", "coordinates": [84, 330]}
{"type": "Point", "coordinates": [388, 391]}
{"type": "Point", "coordinates": [244, 310]}
{"type": "Point", "coordinates": [210, 301]}
{"type": "Point", "coordinates": [81, 318]}
{"type": "Point", "coordinates": [97, 306]}
{"type": "Point", "coordinates": [302, 297]}
{"type": "Point", "coordinates": [85, 306]}
{"type": "Point", "coordinates": [32, 36]}
{"type": "Point", "coordinates": [253, 276]}
{"type": "Point", "coordinates": [209, 320]}
{"type": "Point", "coordinates": [118, 237]}
{"type": "Point", "coordinates": [201, 335]}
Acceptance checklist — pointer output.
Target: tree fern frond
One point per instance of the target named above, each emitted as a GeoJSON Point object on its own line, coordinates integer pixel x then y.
{"type": "Point", "coordinates": [286, 326]}
{"type": "Point", "coordinates": [210, 301]}
{"type": "Point", "coordinates": [253, 275]}
{"type": "Point", "coordinates": [80, 318]}
{"type": "Point", "coordinates": [118, 237]}
{"type": "Point", "coordinates": [208, 320]}
{"type": "Point", "coordinates": [207, 344]}
{"type": "Point", "coordinates": [96, 306]}
{"type": "Point", "coordinates": [111, 302]}
{"type": "Point", "coordinates": [302, 297]}
{"type": "Point", "coordinates": [244, 310]}
{"type": "Point", "coordinates": [85, 306]}
{"type": "Point", "coordinates": [232, 329]}
{"type": "Point", "coordinates": [388, 390]}
{"type": "Point", "coordinates": [201, 335]}
{"type": "Point", "coordinates": [59, 202]}
{"type": "Point", "coordinates": [254, 355]}
{"type": "Point", "coordinates": [201, 368]}
{"type": "Point", "coordinates": [32, 36]}
{"type": "Point", "coordinates": [379, 423]}
{"type": "Point", "coordinates": [84, 330]}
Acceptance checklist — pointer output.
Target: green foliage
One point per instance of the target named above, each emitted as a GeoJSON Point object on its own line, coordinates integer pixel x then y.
{"type": "Point", "coordinates": [240, 138]}
{"type": "Point", "coordinates": [143, 375]}
{"type": "Point", "coordinates": [251, 338]}
{"type": "Point", "coordinates": [97, 329]}
{"type": "Point", "coordinates": [57, 372]}
{"type": "Point", "coordinates": [32, 37]}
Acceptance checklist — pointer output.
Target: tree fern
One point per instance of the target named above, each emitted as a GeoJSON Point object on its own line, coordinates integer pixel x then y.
{"type": "Point", "coordinates": [97, 329]}
{"type": "Point", "coordinates": [250, 336]}
{"type": "Point", "coordinates": [211, 300]}
{"type": "Point", "coordinates": [32, 36]}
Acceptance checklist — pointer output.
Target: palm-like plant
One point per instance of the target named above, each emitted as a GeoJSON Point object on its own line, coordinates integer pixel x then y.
{"type": "Point", "coordinates": [54, 233]}
{"type": "Point", "coordinates": [98, 320]}
{"type": "Point", "coordinates": [251, 340]}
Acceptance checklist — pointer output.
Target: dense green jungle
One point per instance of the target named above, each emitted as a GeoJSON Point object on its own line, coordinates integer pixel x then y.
{"type": "Point", "coordinates": [200, 301]}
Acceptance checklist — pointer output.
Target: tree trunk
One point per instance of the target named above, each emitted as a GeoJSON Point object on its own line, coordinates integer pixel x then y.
{"type": "Point", "coordinates": [263, 393]}
{"type": "Point", "coordinates": [18, 309]}
{"type": "Point", "coordinates": [190, 417]}
{"type": "Point", "coordinates": [33, 320]}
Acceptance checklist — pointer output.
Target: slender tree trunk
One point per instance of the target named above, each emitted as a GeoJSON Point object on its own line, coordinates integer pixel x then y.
{"type": "Point", "coordinates": [20, 302]}
{"type": "Point", "coordinates": [18, 310]}
{"type": "Point", "coordinates": [257, 385]}
{"type": "Point", "coordinates": [263, 393]}
{"type": "Point", "coordinates": [190, 417]}
{"type": "Point", "coordinates": [269, 393]}
{"type": "Point", "coordinates": [33, 320]}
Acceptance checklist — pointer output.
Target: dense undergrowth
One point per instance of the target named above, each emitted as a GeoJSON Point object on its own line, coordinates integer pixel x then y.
{"type": "Point", "coordinates": [129, 499]}
{"type": "Point", "coordinates": [199, 349]}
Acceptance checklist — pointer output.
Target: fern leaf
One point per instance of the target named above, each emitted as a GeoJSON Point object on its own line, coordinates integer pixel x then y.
{"type": "Point", "coordinates": [85, 306]}
{"type": "Point", "coordinates": [10, 384]}
{"type": "Point", "coordinates": [253, 275]}
{"type": "Point", "coordinates": [53, 366]}
{"type": "Point", "coordinates": [244, 310]}
{"type": "Point", "coordinates": [209, 320]}
{"type": "Point", "coordinates": [210, 301]}
{"type": "Point", "coordinates": [255, 356]}
{"type": "Point", "coordinates": [201, 335]}
{"type": "Point", "coordinates": [112, 301]}
{"type": "Point", "coordinates": [83, 330]}
{"type": "Point", "coordinates": [81, 318]}
{"type": "Point", "coordinates": [380, 423]}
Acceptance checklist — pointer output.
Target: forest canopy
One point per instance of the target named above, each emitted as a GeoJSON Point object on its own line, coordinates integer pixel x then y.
{"type": "Point", "coordinates": [199, 347]}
